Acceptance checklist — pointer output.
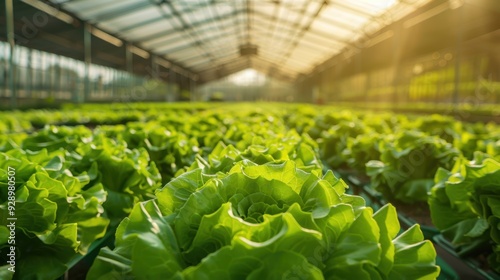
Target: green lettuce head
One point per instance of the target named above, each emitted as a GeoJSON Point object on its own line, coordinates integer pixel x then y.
{"type": "Point", "coordinates": [465, 206]}
{"type": "Point", "coordinates": [270, 221]}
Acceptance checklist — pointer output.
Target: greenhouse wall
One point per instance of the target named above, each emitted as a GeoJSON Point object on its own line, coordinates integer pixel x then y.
{"type": "Point", "coordinates": [45, 79]}
{"type": "Point", "coordinates": [431, 77]}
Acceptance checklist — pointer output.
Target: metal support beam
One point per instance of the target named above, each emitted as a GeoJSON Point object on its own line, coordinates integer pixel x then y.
{"type": "Point", "coordinates": [192, 89]}
{"type": "Point", "coordinates": [248, 13]}
{"type": "Point", "coordinates": [114, 85]}
{"type": "Point", "coordinates": [30, 77]}
{"type": "Point", "coordinates": [170, 93]}
{"type": "Point", "coordinates": [149, 21]}
{"type": "Point", "coordinates": [302, 31]}
{"type": "Point", "coordinates": [129, 59]}
{"type": "Point", "coordinates": [187, 27]}
{"type": "Point", "coordinates": [153, 75]}
{"type": "Point", "coordinates": [121, 11]}
{"type": "Point", "coordinates": [216, 37]}
{"type": "Point", "coordinates": [397, 51]}
{"type": "Point", "coordinates": [9, 15]}
{"type": "Point", "coordinates": [273, 21]}
{"type": "Point", "coordinates": [87, 42]}
{"type": "Point", "coordinates": [289, 28]}
{"type": "Point", "coordinates": [458, 51]}
{"type": "Point", "coordinates": [155, 68]}
{"type": "Point", "coordinates": [129, 65]}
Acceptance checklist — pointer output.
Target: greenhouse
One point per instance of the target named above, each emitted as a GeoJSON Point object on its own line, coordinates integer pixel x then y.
{"type": "Point", "coordinates": [249, 139]}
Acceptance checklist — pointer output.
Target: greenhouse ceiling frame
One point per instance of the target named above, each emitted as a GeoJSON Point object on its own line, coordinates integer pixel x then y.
{"type": "Point", "coordinates": [205, 40]}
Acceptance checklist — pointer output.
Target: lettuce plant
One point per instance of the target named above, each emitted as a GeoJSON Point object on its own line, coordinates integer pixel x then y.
{"type": "Point", "coordinates": [271, 221]}
{"type": "Point", "coordinates": [170, 150]}
{"type": "Point", "coordinates": [127, 175]}
{"type": "Point", "coordinates": [58, 214]}
{"type": "Point", "coordinates": [407, 165]}
{"type": "Point", "coordinates": [334, 140]}
{"type": "Point", "coordinates": [445, 127]}
{"type": "Point", "coordinates": [301, 149]}
{"type": "Point", "coordinates": [361, 150]}
{"type": "Point", "coordinates": [465, 206]}
{"type": "Point", "coordinates": [57, 137]}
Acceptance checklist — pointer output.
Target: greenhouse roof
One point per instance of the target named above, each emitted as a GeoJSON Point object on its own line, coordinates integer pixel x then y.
{"type": "Point", "coordinates": [214, 38]}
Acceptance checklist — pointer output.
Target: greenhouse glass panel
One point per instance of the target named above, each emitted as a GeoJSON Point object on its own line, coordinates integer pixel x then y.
{"type": "Point", "coordinates": [133, 18]}
{"type": "Point", "coordinates": [155, 42]}
{"type": "Point", "coordinates": [85, 7]}
{"type": "Point", "coordinates": [153, 28]}
{"type": "Point", "coordinates": [330, 29]}
{"type": "Point", "coordinates": [312, 8]}
{"type": "Point", "coordinates": [324, 41]}
{"type": "Point", "coordinates": [171, 46]}
{"type": "Point", "coordinates": [303, 30]}
{"type": "Point", "coordinates": [343, 16]}
{"type": "Point", "coordinates": [199, 63]}
{"type": "Point", "coordinates": [313, 46]}
{"type": "Point", "coordinates": [187, 51]}
{"type": "Point", "coordinates": [199, 16]}
{"type": "Point", "coordinates": [100, 10]}
{"type": "Point", "coordinates": [264, 9]}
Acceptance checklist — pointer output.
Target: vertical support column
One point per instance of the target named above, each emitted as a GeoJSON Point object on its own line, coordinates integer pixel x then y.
{"type": "Point", "coordinates": [29, 74]}
{"type": "Point", "coordinates": [172, 91]}
{"type": "Point", "coordinates": [367, 88]}
{"type": "Point", "coordinates": [74, 82]}
{"type": "Point", "coordinates": [45, 75]}
{"type": "Point", "coordinates": [155, 68]}
{"type": "Point", "coordinates": [59, 74]}
{"type": "Point", "coordinates": [113, 84]}
{"type": "Point", "coordinates": [130, 69]}
{"type": "Point", "coordinates": [3, 71]}
{"type": "Point", "coordinates": [9, 15]}
{"type": "Point", "coordinates": [458, 50]}
{"type": "Point", "coordinates": [129, 59]}
{"type": "Point", "coordinates": [40, 85]}
{"type": "Point", "coordinates": [155, 75]}
{"type": "Point", "coordinates": [191, 89]}
{"type": "Point", "coordinates": [169, 83]}
{"type": "Point", "coordinates": [397, 49]}
{"type": "Point", "coordinates": [87, 42]}
{"type": "Point", "coordinates": [52, 79]}
{"type": "Point", "coordinates": [358, 61]}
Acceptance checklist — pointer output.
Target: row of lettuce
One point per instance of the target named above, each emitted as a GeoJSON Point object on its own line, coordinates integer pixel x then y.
{"type": "Point", "coordinates": [267, 202]}
{"type": "Point", "coordinates": [450, 167]}
{"type": "Point", "coordinates": [246, 187]}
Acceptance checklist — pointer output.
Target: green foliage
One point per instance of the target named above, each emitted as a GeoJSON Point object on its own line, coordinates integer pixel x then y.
{"type": "Point", "coordinates": [58, 214]}
{"type": "Point", "coordinates": [361, 150]}
{"type": "Point", "coordinates": [244, 194]}
{"type": "Point", "coordinates": [407, 165]}
{"type": "Point", "coordinates": [170, 150]}
{"type": "Point", "coordinates": [465, 206]}
{"type": "Point", "coordinates": [334, 141]}
{"type": "Point", "coordinates": [128, 176]}
{"type": "Point", "coordinates": [301, 149]}
{"type": "Point", "coordinates": [262, 221]}
{"type": "Point", "coordinates": [56, 137]}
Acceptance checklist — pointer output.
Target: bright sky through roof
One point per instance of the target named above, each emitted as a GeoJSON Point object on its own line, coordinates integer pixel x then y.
{"type": "Point", "coordinates": [248, 77]}
{"type": "Point", "coordinates": [381, 4]}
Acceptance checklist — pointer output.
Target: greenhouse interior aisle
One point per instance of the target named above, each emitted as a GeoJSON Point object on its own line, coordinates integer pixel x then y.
{"type": "Point", "coordinates": [249, 139]}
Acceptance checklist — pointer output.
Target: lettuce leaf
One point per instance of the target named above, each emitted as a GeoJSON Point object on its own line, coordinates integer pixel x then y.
{"type": "Point", "coordinates": [58, 217]}
{"type": "Point", "coordinates": [258, 221]}
{"type": "Point", "coordinates": [465, 205]}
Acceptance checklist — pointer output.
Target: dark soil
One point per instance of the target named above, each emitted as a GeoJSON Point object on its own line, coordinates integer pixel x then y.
{"type": "Point", "coordinates": [418, 211]}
